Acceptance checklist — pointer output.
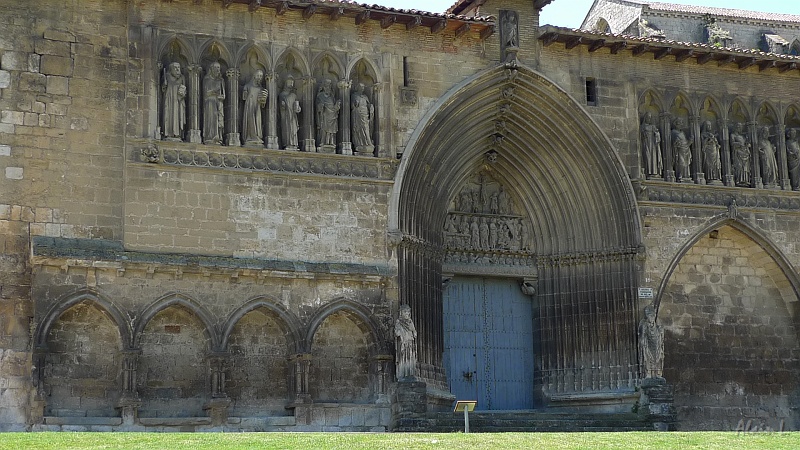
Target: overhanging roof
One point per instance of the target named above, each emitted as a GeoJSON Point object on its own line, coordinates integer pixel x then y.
{"type": "Point", "coordinates": [661, 48]}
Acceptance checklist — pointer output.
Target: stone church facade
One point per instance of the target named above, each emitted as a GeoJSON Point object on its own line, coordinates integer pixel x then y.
{"type": "Point", "coordinates": [213, 211]}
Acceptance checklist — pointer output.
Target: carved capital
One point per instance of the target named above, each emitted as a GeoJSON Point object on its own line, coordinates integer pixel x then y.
{"type": "Point", "coordinates": [232, 73]}
{"type": "Point", "coordinates": [345, 84]}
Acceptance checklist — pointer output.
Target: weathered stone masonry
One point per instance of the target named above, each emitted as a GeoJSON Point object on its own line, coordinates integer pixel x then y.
{"type": "Point", "coordinates": [171, 260]}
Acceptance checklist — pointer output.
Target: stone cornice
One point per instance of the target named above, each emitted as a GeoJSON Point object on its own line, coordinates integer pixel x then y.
{"type": "Point", "coordinates": [182, 154]}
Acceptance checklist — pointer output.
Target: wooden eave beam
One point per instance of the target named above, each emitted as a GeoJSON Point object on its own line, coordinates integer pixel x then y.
{"type": "Point", "coordinates": [574, 42]}
{"type": "Point", "coordinates": [704, 58]}
{"type": "Point", "coordinates": [639, 49]}
{"type": "Point", "coordinates": [764, 65]}
{"type": "Point", "coordinates": [388, 20]}
{"type": "Point", "coordinates": [597, 45]}
{"type": "Point", "coordinates": [785, 67]}
{"type": "Point", "coordinates": [254, 5]}
{"type": "Point", "coordinates": [438, 26]}
{"type": "Point", "coordinates": [414, 23]}
{"type": "Point", "coordinates": [616, 47]}
{"type": "Point", "coordinates": [683, 55]}
{"type": "Point", "coordinates": [460, 31]}
{"type": "Point", "coordinates": [747, 62]}
{"type": "Point", "coordinates": [362, 17]}
{"type": "Point", "coordinates": [281, 8]}
{"type": "Point", "coordinates": [725, 59]}
{"type": "Point", "coordinates": [337, 12]}
{"type": "Point", "coordinates": [662, 53]}
{"type": "Point", "coordinates": [548, 38]}
{"type": "Point", "coordinates": [309, 11]}
{"type": "Point", "coordinates": [486, 32]}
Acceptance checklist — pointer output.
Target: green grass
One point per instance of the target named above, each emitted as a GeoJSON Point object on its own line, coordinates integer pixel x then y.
{"type": "Point", "coordinates": [400, 441]}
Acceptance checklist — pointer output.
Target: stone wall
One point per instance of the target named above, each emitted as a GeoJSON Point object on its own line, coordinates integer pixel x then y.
{"type": "Point", "coordinates": [731, 343]}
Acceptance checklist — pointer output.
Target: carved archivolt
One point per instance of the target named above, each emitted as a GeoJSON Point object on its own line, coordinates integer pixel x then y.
{"type": "Point", "coordinates": [254, 102]}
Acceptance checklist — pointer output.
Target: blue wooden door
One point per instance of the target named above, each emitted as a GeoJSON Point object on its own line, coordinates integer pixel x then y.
{"type": "Point", "coordinates": [488, 339]}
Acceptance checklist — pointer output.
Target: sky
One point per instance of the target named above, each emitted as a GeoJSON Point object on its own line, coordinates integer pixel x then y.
{"type": "Point", "coordinates": [570, 13]}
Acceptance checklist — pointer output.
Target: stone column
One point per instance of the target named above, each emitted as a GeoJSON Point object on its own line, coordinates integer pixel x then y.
{"type": "Point", "coordinates": [755, 159]}
{"type": "Point", "coordinates": [272, 113]}
{"type": "Point", "coordinates": [232, 108]}
{"type": "Point", "coordinates": [40, 397]}
{"type": "Point", "coordinates": [129, 401]}
{"type": "Point", "coordinates": [724, 135]}
{"type": "Point", "coordinates": [697, 151]}
{"type": "Point", "coordinates": [780, 154]}
{"type": "Point", "coordinates": [382, 368]}
{"type": "Point", "coordinates": [377, 101]}
{"type": "Point", "coordinates": [159, 101]}
{"type": "Point", "coordinates": [194, 103]}
{"type": "Point", "coordinates": [309, 140]}
{"type": "Point", "coordinates": [301, 367]}
{"type": "Point", "coordinates": [217, 407]}
{"type": "Point", "coordinates": [666, 139]}
{"type": "Point", "coordinates": [346, 147]}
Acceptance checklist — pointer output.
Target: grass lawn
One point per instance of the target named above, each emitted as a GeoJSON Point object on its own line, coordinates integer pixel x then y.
{"type": "Point", "coordinates": [400, 441]}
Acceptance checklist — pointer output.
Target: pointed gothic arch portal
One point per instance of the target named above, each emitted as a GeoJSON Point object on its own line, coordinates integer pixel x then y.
{"type": "Point", "coordinates": [508, 149]}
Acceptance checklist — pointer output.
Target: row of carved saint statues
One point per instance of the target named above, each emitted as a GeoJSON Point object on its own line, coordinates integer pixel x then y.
{"type": "Point", "coordinates": [741, 149]}
{"type": "Point", "coordinates": [253, 97]}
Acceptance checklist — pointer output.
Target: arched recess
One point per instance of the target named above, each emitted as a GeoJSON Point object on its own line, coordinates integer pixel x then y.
{"type": "Point", "coordinates": [75, 298]}
{"type": "Point", "coordinates": [795, 49]}
{"type": "Point", "coordinates": [81, 366]}
{"type": "Point", "coordinates": [365, 126]}
{"type": "Point", "coordinates": [260, 338]}
{"type": "Point", "coordinates": [343, 340]}
{"type": "Point", "coordinates": [752, 233]}
{"type": "Point", "coordinates": [571, 186]}
{"type": "Point", "coordinates": [727, 310]}
{"type": "Point", "coordinates": [175, 340]}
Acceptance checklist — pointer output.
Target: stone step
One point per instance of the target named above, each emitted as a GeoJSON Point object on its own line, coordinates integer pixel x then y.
{"type": "Point", "coordinates": [527, 422]}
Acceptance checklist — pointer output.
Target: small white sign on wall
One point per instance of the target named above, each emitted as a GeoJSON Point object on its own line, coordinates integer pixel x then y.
{"type": "Point", "coordinates": [645, 292]}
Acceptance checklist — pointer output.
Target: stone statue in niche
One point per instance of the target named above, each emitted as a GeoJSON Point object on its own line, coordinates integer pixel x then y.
{"type": "Point", "coordinates": [709, 144]}
{"type": "Point", "coordinates": [213, 105]}
{"type": "Point", "coordinates": [681, 150]}
{"type": "Point", "coordinates": [255, 99]}
{"type": "Point", "coordinates": [651, 344]}
{"type": "Point", "coordinates": [174, 109]}
{"type": "Point", "coordinates": [510, 28]}
{"type": "Point", "coordinates": [793, 157]}
{"type": "Point", "coordinates": [289, 109]}
{"type": "Point", "coordinates": [363, 117]}
{"type": "Point", "coordinates": [406, 344]}
{"type": "Point", "coordinates": [327, 117]}
{"type": "Point", "coordinates": [766, 153]}
{"type": "Point", "coordinates": [740, 153]}
{"type": "Point", "coordinates": [651, 147]}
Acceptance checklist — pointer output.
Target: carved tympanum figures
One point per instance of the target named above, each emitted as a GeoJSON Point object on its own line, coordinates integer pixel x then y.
{"type": "Point", "coordinates": [651, 345]}
{"type": "Point", "coordinates": [362, 117]}
{"type": "Point", "coordinates": [483, 219]}
{"type": "Point", "coordinates": [289, 109]}
{"type": "Point", "coordinates": [740, 156]}
{"type": "Point", "coordinates": [255, 99]}
{"type": "Point", "coordinates": [213, 105]}
{"type": "Point", "coordinates": [766, 154]}
{"type": "Point", "coordinates": [327, 117]}
{"type": "Point", "coordinates": [681, 150]}
{"type": "Point", "coordinates": [406, 344]}
{"type": "Point", "coordinates": [173, 87]}
{"type": "Point", "coordinates": [651, 147]}
{"type": "Point", "coordinates": [793, 158]}
{"type": "Point", "coordinates": [709, 145]}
